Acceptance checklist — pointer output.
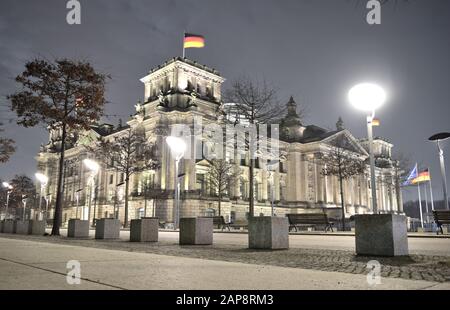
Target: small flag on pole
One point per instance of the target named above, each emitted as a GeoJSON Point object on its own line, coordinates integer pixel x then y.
{"type": "Point", "coordinates": [422, 177]}
{"type": "Point", "coordinates": [193, 41]}
{"type": "Point", "coordinates": [411, 177]}
{"type": "Point", "coordinates": [376, 122]}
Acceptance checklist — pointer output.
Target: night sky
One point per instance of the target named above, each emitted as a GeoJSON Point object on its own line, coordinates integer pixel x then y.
{"type": "Point", "coordinates": [314, 50]}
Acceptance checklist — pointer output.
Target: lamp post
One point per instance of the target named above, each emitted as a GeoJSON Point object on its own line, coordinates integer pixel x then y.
{"type": "Point", "coordinates": [438, 138]}
{"type": "Point", "coordinates": [77, 197]}
{"type": "Point", "coordinates": [369, 97]}
{"type": "Point", "coordinates": [48, 199]}
{"type": "Point", "coordinates": [8, 192]}
{"type": "Point", "coordinates": [43, 180]}
{"type": "Point", "coordinates": [94, 167]}
{"type": "Point", "coordinates": [271, 168]}
{"type": "Point", "coordinates": [178, 148]}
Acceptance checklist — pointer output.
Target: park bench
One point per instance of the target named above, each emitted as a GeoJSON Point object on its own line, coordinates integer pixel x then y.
{"type": "Point", "coordinates": [309, 219]}
{"type": "Point", "coordinates": [238, 224]}
{"type": "Point", "coordinates": [219, 221]}
{"type": "Point", "coordinates": [441, 217]}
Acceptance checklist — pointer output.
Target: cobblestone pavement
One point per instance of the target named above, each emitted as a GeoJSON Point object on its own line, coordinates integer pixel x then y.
{"type": "Point", "coordinates": [415, 267]}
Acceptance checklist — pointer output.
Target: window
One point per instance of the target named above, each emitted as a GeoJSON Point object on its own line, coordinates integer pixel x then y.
{"type": "Point", "coordinates": [140, 213]}
{"type": "Point", "coordinates": [122, 177]}
{"type": "Point", "coordinates": [201, 183]}
{"type": "Point", "coordinates": [111, 179]}
{"type": "Point", "coordinates": [210, 212]}
{"type": "Point", "coordinates": [232, 216]}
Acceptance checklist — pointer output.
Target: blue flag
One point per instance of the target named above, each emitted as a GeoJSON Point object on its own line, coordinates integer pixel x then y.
{"type": "Point", "coordinates": [411, 177]}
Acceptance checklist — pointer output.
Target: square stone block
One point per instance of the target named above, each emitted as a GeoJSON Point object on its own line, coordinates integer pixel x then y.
{"type": "Point", "coordinates": [196, 231]}
{"type": "Point", "coordinates": [144, 230]}
{"type": "Point", "coordinates": [9, 226]}
{"type": "Point", "coordinates": [107, 229]}
{"type": "Point", "coordinates": [381, 235]}
{"type": "Point", "coordinates": [37, 227]}
{"type": "Point", "coordinates": [265, 232]}
{"type": "Point", "coordinates": [23, 227]}
{"type": "Point", "coordinates": [78, 229]}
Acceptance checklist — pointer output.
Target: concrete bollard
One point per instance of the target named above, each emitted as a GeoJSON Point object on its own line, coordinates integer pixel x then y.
{"type": "Point", "coordinates": [9, 226]}
{"type": "Point", "coordinates": [23, 227]}
{"type": "Point", "coordinates": [37, 227]}
{"type": "Point", "coordinates": [144, 230]}
{"type": "Point", "coordinates": [196, 231]}
{"type": "Point", "coordinates": [107, 229]}
{"type": "Point", "coordinates": [271, 233]}
{"type": "Point", "coordinates": [78, 229]}
{"type": "Point", "coordinates": [381, 235]}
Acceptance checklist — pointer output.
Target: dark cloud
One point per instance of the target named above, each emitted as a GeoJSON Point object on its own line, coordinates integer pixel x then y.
{"type": "Point", "coordinates": [314, 50]}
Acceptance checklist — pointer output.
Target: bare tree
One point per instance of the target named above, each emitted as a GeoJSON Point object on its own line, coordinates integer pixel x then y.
{"type": "Point", "coordinates": [340, 162]}
{"type": "Point", "coordinates": [62, 95]}
{"type": "Point", "coordinates": [221, 176]}
{"type": "Point", "coordinates": [129, 153]}
{"type": "Point", "coordinates": [401, 164]}
{"type": "Point", "coordinates": [22, 188]}
{"type": "Point", "coordinates": [6, 148]}
{"type": "Point", "coordinates": [256, 103]}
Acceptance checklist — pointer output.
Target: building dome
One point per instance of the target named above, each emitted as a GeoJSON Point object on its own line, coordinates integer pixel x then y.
{"type": "Point", "coordinates": [291, 127]}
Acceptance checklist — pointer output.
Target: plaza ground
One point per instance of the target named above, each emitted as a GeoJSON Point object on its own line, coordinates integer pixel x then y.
{"type": "Point", "coordinates": [312, 262]}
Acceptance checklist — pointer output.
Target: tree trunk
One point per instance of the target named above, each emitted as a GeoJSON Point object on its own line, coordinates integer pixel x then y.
{"type": "Point", "coordinates": [251, 206]}
{"type": "Point", "coordinates": [127, 184]}
{"type": "Point", "coordinates": [342, 203]}
{"type": "Point", "coordinates": [57, 218]}
{"type": "Point", "coordinates": [220, 204]}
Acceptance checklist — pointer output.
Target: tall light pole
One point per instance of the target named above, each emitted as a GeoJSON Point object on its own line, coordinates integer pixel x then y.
{"type": "Point", "coordinates": [178, 148]}
{"type": "Point", "coordinates": [43, 180]}
{"type": "Point", "coordinates": [48, 198]}
{"type": "Point", "coordinates": [369, 97]}
{"type": "Point", "coordinates": [438, 138]}
{"type": "Point", "coordinates": [271, 168]}
{"type": "Point", "coordinates": [94, 167]}
{"type": "Point", "coordinates": [9, 189]}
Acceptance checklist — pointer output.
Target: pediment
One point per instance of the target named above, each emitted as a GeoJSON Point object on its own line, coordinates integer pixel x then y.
{"type": "Point", "coordinates": [344, 139]}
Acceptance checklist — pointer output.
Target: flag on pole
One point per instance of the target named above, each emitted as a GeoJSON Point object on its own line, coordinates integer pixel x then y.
{"type": "Point", "coordinates": [411, 177]}
{"type": "Point", "coordinates": [193, 41]}
{"type": "Point", "coordinates": [422, 177]}
{"type": "Point", "coordinates": [376, 122]}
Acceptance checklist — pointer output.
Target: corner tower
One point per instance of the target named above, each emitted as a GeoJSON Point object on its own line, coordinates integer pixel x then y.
{"type": "Point", "coordinates": [182, 85]}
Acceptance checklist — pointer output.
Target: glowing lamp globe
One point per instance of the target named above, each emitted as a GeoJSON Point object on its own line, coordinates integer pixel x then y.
{"type": "Point", "coordinates": [367, 96]}
{"type": "Point", "coordinates": [91, 164]}
{"type": "Point", "coordinates": [43, 179]}
{"type": "Point", "coordinates": [177, 146]}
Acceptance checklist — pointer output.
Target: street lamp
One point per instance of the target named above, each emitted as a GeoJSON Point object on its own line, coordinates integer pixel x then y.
{"type": "Point", "coordinates": [8, 192]}
{"type": "Point", "coordinates": [178, 148]}
{"type": "Point", "coordinates": [438, 138]}
{"type": "Point", "coordinates": [271, 168]}
{"type": "Point", "coordinates": [77, 197]}
{"type": "Point", "coordinates": [94, 167]}
{"type": "Point", "coordinates": [43, 180]}
{"type": "Point", "coordinates": [369, 97]}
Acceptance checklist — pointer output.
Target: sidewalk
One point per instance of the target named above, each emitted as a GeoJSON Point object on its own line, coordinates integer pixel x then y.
{"type": "Point", "coordinates": [28, 264]}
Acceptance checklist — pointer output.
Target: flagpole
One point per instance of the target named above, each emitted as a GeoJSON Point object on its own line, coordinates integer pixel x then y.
{"type": "Point", "coordinates": [431, 191]}
{"type": "Point", "coordinates": [184, 49]}
{"type": "Point", "coordinates": [426, 204]}
{"type": "Point", "coordinates": [420, 205]}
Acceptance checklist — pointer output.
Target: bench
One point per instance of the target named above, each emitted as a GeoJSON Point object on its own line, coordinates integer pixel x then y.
{"type": "Point", "coordinates": [219, 221]}
{"type": "Point", "coordinates": [238, 224]}
{"type": "Point", "coordinates": [309, 219]}
{"type": "Point", "coordinates": [441, 217]}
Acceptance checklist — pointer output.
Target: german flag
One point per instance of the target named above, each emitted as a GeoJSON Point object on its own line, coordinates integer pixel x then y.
{"type": "Point", "coordinates": [376, 122]}
{"type": "Point", "coordinates": [423, 177]}
{"type": "Point", "coordinates": [193, 41]}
